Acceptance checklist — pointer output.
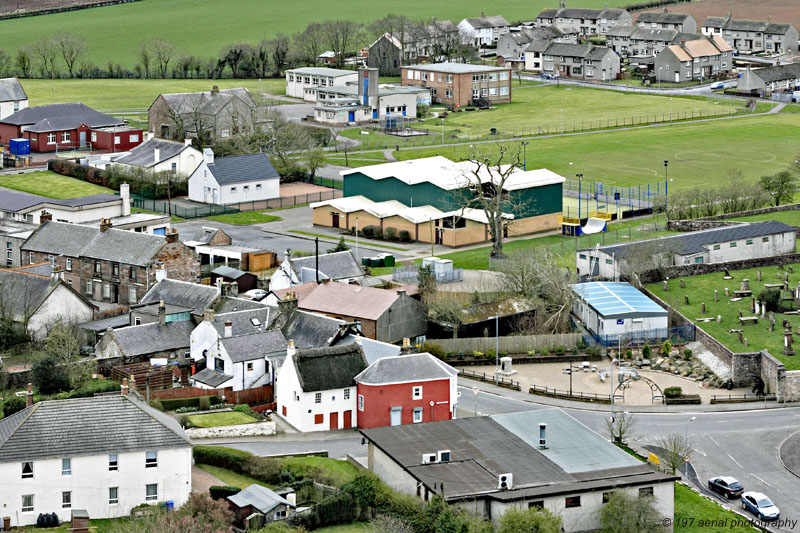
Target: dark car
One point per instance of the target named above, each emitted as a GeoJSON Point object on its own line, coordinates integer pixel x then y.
{"type": "Point", "coordinates": [726, 485]}
{"type": "Point", "coordinates": [760, 505]}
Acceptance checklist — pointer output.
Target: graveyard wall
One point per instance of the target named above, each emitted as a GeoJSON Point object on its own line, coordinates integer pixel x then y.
{"type": "Point", "coordinates": [696, 269]}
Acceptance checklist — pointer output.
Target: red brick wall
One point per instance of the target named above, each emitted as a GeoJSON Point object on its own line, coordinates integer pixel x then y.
{"type": "Point", "coordinates": [8, 132]}
{"type": "Point", "coordinates": [461, 87]}
{"type": "Point", "coordinates": [379, 400]}
{"type": "Point", "coordinates": [105, 140]}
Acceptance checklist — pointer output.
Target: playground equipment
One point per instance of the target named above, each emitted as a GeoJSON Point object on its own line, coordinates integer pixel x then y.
{"type": "Point", "coordinates": [597, 222]}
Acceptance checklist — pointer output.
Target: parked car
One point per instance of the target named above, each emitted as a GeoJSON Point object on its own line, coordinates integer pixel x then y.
{"type": "Point", "coordinates": [256, 294]}
{"type": "Point", "coordinates": [717, 86]}
{"type": "Point", "coordinates": [726, 485]}
{"type": "Point", "coordinates": [546, 76]}
{"type": "Point", "coordinates": [760, 505]}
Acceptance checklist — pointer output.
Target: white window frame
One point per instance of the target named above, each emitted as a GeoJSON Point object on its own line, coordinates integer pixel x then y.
{"type": "Point", "coordinates": [29, 475]}
{"type": "Point", "coordinates": [151, 459]}
{"type": "Point", "coordinates": [113, 495]}
{"type": "Point", "coordinates": [51, 138]}
{"type": "Point", "coordinates": [346, 394]}
{"type": "Point", "coordinates": [113, 462]}
{"type": "Point", "coordinates": [66, 499]}
{"type": "Point", "coordinates": [360, 402]}
{"type": "Point", "coordinates": [417, 415]}
{"type": "Point", "coordinates": [30, 507]}
{"type": "Point", "coordinates": [317, 397]}
{"type": "Point", "coordinates": [94, 136]}
{"type": "Point", "coordinates": [416, 392]}
{"type": "Point", "coordinates": [151, 497]}
{"type": "Point", "coordinates": [66, 466]}
{"type": "Point", "coordinates": [65, 137]}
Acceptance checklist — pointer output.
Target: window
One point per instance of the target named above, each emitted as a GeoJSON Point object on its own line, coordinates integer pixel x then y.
{"type": "Point", "coordinates": [132, 296]}
{"type": "Point", "coordinates": [582, 256]}
{"type": "Point", "coordinates": [137, 321]}
{"type": "Point", "coordinates": [66, 467]}
{"type": "Point", "coordinates": [27, 470]}
{"type": "Point", "coordinates": [492, 91]}
{"type": "Point", "coordinates": [504, 75]}
{"type": "Point", "coordinates": [645, 491]}
{"type": "Point", "coordinates": [68, 264]}
{"type": "Point", "coordinates": [572, 501]}
{"type": "Point", "coordinates": [748, 241]}
{"type": "Point", "coordinates": [764, 239]}
{"type": "Point", "coordinates": [246, 188]}
{"type": "Point", "coordinates": [698, 259]}
{"type": "Point", "coordinates": [151, 492]}
{"type": "Point", "coordinates": [98, 266]}
{"type": "Point", "coordinates": [280, 515]}
{"type": "Point", "coordinates": [233, 190]}
{"type": "Point", "coordinates": [30, 258]}
{"type": "Point", "coordinates": [417, 415]}
{"type": "Point", "coordinates": [106, 290]}
{"type": "Point", "coordinates": [113, 463]}
{"type": "Point", "coordinates": [319, 419]}
{"type": "Point", "coordinates": [151, 460]}
{"type": "Point", "coordinates": [346, 394]}
{"type": "Point", "coordinates": [250, 367]}
{"type": "Point", "coordinates": [16, 107]}
{"type": "Point", "coordinates": [116, 139]}
{"type": "Point", "coordinates": [133, 273]}
{"type": "Point", "coordinates": [65, 136]}
{"type": "Point", "coordinates": [360, 402]}
{"type": "Point", "coordinates": [733, 245]}
{"type": "Point", "coordinates": [716, 246]}
{"type": "Point", "coordinates": [417, 393]}
{"type": "Point", "coordinates": [258, 186]}
{"type": "Point", "coordinates": [27, 503]}
{"type": "Point", "coordinates": [66, 499]}
{"type": "Point", "coordinates": [609, 261]}
{"type": "Point", "coordinates": [503, 91]}
{"type": "Point", "coordinates": [51, 138]}
{"type": "Point", "coordinates": [134, 138]}
{"type": "Point", "coordinates": [89, 287]}
{"type": "Point", "coordinates": [94, 136]}
{"type": "Point", "coordinates": [115, 269]}
{"type": "Point", "coordinates": [318, 397]}
{"type": "Point", "coordinates": [538, 504]}
{"type": "Point", "coordinates": [606, 495]}
{"type": "Point", "coordinates": [448, 93]}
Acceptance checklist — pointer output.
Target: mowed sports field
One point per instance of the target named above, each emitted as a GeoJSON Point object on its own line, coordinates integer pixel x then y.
{"type": "Point", "coordinates": [203, 27]}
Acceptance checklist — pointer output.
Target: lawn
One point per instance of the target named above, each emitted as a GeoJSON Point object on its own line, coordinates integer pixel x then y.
{"type": "Point", "coordinates": [244, 218]}
{"type": "Point", "coordinates": [691, 508]}
{"type": "Point", "coordinates": [701, 289]}
{"type": "Point", "coordinates": [234, 479]}
{"type": "Point", "coordinates": [51, 185]}
{"type": "Point", "coordinates": [230, 418]}
{"type": "Point", "coordinates": [699, 154]}
{"type": "Point", "coordinates": [335, 471]}
{"type": "Point", "coordinates": [787, 217]}
{"type": "Point", "coordinates": [113, 33]}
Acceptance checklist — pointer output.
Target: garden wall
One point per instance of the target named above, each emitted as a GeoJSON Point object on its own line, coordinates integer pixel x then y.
{"type": "Point", "coordinates": [521, 344]}
{"type": "Point", "coordinates": [239, 430]}
{"type": "Point", "coordinates": [696, 269]}
{"type": "Point", "coordinates": [255, 396]}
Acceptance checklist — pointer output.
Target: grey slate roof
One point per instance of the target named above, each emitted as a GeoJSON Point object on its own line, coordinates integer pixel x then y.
{"type": "Point", "coordinates": [243, 168]}
{"type": "Point", "coordinates": [496, 21]}
{"type": "Point", "coordinates": [715, 22]}
{"type": "Point", "coordinates": [256, 346]}
{"type": "Point", "coordinates": [205, 235]}
{"type": "Point", "coordinates": [373, 350]}
{"type": "Point", "coordinates": [212, 378]}
{"type": "Point", "coordinates": [206, 103]}
{"type": "Point", "coordinates": [537, 46]}
{"type": "Point", "coordinates": [338, 265]}
{"type": "Point", "coordinates": [321, 369]}
{"type": "Point", "coordinates": [11, 90]}
{"type": "Point", "coordinates": [697, 241]}
{"type": "Point", "coordinates": [621, 31]}
{"type": "Point", "coordinates": [24, 293]}
{"type": "Point", "coordinates": [113, 322]}
{"type": "Point", "coordinates": [312, 330]}
{"type": "Point", "coordinates": [654, 34]}
{"type": "Point", "coordinates": [582, 13]}
{"type": "Point", "coordinates": [231, 304]}
{"type": "Point", "coordinates": [663, 17]}
{"type": "Point", "coordinates": [568, 49]}
{"type": "Point", "coordinates": [455, 68]}
{"type": "Point", "coordinates": [245, 322]}
{"type": "Point", "coordinates": [151, 338]}
{"type": "Point", "coordinates": [182, 293]}
{"type": "Point", "coordinates": [779, 73]}
{"type": "Point", "coordinates": [56, 117]}
{"type": "Point", "coordinates": [144, 155]}
{"type": "Point", "coordinates": [259, 497]}
{"type": "Point", "coordinates": [598, 53]}
{"type": "Point", "coordinates": [228, 272]}
{"type": "Point", "coordinates": [322, 71]}
{"type": "Point", "coordinates": [42, 269]}
{"type": "Point", "coordinates": [746, 25]}
{"type": "Point", "coordinates": [11, 200]}
{"type": "Point", "coordinates": [87, 426]}
{"type": "Point", "coordinates": [77, 240]}
{"type": "Point", "coordinates": [406, 368]}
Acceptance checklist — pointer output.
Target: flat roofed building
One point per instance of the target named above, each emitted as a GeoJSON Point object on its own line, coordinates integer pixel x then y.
{"type": "Point", "coordinates": [460, 84]}
{"type": "Point", "coordinates": [298, 79]}
{"type": "Point", "coordinates": [608, 308]}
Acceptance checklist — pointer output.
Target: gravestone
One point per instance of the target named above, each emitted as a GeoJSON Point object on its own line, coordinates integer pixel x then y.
{"type": "Point", "coordinates": [686, 299]}
{"type": "Point", "coordinates": [759, 275]}
{"type": "Point", "coordinates": [719, 319]}
{"type": "Point", "coordinates": [744, 285]}
{"type": "Point", "coordinates": [771, 324]}
{"type": "Point", "coordinates": [785, 276]}
{"type": "Point", "coordinates": [786, 285]}
{"type": "Point", "coordinates": [780, 266]}
{"type": "Point", "coordinates": [741, 338]}
{"type": "Point", "coordinates": [740, 313]}
{"type": "Point", "coordinates": [716, 295]}
{"type": "Point", "coordinates": [683, 284]}
{"type": "Point", "coordinates": [753, 305]}
{"type": "Point", "coordinates": [727, 275]}
{"type": "Point", "coordinates": [791, 269]}
{"type": "Point", "coordinates": [666, 286]}
{"type": "Point", "coordinates": [702, 308]}
{"type": "Point", "coordinates": [763, 309]}
{"type": "Point", "coordinates": [757, 308]}
{"type": "Point", "coordinates": [727, 293]}
{"type": "Point", "coordinates": [787, 343]}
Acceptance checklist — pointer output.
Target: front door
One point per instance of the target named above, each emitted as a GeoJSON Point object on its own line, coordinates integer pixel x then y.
{"type": "Point", "coordinates": [335, 220]}
{"type": "Point", "coordinates": [348, 419]}
{"type": "Point", "coordinates": [334, 421]}
{"type": "Point", "coordinates": [677, 77]}
{"type": "Point", "coordinates": [439, 236]}
{"type": "Point", "coordinates": [82, 136]}
{"type": "Point", "coordinates": [397, 416]}
{"type": "Point", "coordinates": [351, 116]}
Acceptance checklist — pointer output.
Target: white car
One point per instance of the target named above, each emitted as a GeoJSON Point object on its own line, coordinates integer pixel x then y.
{"type": "Point", "coordinates": [256, 294]}
{"type": "Point", "coordinates": [760, 505]}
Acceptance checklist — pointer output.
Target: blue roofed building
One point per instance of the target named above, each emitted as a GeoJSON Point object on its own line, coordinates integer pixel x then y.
{"type": "Point", "coordinates": [612, 308]}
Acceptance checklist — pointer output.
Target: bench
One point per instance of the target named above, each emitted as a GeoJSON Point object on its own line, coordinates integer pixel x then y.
{"type": "Point", "coordinates": [744, 320]}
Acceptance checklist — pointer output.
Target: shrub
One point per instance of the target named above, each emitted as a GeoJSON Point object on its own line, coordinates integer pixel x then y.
{"type": "Point", "coordinates": [220, 492]}
{"type": "Point", "coordinates": [646, 351]}
{"type": "Point", "coordinates": [156, 404]}
{"type": "Point", "coordinates": [203, 404]}
{"type": "Point", "coordinates": [687, 353]}
{"type": "Point", "coordinates": [49, 377]}
{"type": "Point", "coordinates": [186, 410]}
{"type": "Point", "coordinates": [185, 422]}
{"type": "Point", "coordinates": [390, 234]}
{"type": "Point", "coordinates": [490, 355]}
{"type": "Point", "coordinates": [666, 348]}
{"type": "Point", "coordinates": [629, 353]}
{"type": "Point", "coordinates": [286, 477]}
{"type": "Point", "coordinates": [771, 298]}
{"type": "Point", "coordinates": [242, 408]}
{"type": "Point", "coordinates": [580, 345]}
{"type": "Point", "coordinates": [594, 351]}
{"type": "Point", "coordinates": [559, 350]}
{"type": "Point", "coordinates": [545, 351]}
{"type": "Point", "coordinates": [673, 392]}
{"type": "Point", "coordinates": [405, 236]}
{"type": "Point", "coordinates": [13, 405]}
{"type": "Point", "coordinates": [372, 232]}
{"type": "Point", "coordinates": [476, 354]}
{"type": "Point", "coordinates": [263, 469]}
{"type": "Point", "coordinates": [172, 405]}
{"type": "Point", "coordinates": [435, 350]}
{"type": "Point", "coordinates": [222, 457]}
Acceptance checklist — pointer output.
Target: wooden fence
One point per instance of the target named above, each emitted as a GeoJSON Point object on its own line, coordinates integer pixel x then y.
{"type": "Point", "coordinates": [254, 396]}
{"type": "Point", "coordinates": [159, 377]}
{"type": "Point", "coordinates": [510, 345]}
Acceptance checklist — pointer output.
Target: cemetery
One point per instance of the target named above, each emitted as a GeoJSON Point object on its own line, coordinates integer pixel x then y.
{"type": "Point", "coordinates": [745, 310]}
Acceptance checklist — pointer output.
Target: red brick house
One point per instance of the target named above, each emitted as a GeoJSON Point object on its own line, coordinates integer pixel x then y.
{"type": "Point", "coordinates": [406, 389]}
{"type": "Point", "coordinates": [67, 126]}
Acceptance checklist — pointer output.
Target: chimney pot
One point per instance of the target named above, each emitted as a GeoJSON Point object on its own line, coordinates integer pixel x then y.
{"type": "Point", "coordinates": [105, 224]}
{"type": "Point", "coordinates": [208, 315]}
{"type": "Point", "coordinates": [132, 383]}
{"type": "Point", "coordinates": [162, 313]}
{"type": "Point", "coordinates": [29, 396]}
{"type": "Point", "coordinates": [228, 328]}
{"type": "Point", "coordinates": [187, 141]}
{"type": "Point", "coordinates": [290, 348]}
{"type": "Point", "coordinates": [542, 436]}
{"type": "Point", "coordinates": [172, 235]}
{"type": "Point", "coordinates": [124, 387]}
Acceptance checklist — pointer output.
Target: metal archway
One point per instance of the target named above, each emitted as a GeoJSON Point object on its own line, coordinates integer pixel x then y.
{"type": "Point", "coordinates": [656, 394]}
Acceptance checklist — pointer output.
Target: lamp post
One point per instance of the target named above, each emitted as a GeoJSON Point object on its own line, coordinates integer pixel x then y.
{"type": "Point", "coordinates": [666, 183]}
{"type": "Point", "coordinates": [570, 371]}
{"type": "Point", "coordinates": [580, 183]}
{"type": "Point", "coordinates": [496, 347]}
{"type": "Point", "coordinates": [659, 78]}
{"type": "Point", "coordinates": [562, 122]}
{"type": "Point", "coordinates": [686, 434]}
{"type": "Point", "coordinates": [524, 155]}
{"type": "Point", "coordinates": [442, 132]}
{"type": "Point", "coordinates": [357, 257]}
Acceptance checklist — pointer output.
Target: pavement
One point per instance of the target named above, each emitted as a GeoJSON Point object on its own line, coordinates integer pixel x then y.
{"type": "Point", "coordinates": [202, 480]}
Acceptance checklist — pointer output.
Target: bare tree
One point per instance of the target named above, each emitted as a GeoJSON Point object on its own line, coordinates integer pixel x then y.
{"type": "Point", "coordinates": [781, 186]}
{"type": "Point", "coordinates": [394, 27]}
{"type": "Point", "coordinates": [234, 54]}
{"type": "Point", "coordinates": [446, 308]}
{"type": "Point", "coordinates": [72, 48]}
{"type": "Point", "coordinates": [162, 53]}
{"type": "Point", "coordinates": [46, 52]}
{"type": "Point", "coordinates": [620, 427]}
{"type": "Point", "coordinates": [675, 448]}
{"type": "Point", "coordinates": [626, 513]}
{"type": "Point", "coordinates": [340, 36]}
{"type": "Point", "coordinates": [23, 62]}
{"type": "Point", "coordinates": [5, 62]}
{"type": "Point", "coordinates": [280, 49]}
{"type": "Point", "coordinates": [144, 58]}
{"type": "Point", "coordinates": [309, 42]}
{"type": "Point", "coordinates": [314, 159]}
{"type": "Point", "coordinates": [644, 256]}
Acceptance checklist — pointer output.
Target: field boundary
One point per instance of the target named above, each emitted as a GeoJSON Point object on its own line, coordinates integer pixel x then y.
{"type": "Point", "coordinates": [63, 9]}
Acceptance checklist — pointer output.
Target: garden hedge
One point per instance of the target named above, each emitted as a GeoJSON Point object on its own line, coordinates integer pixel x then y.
{"type": "Point", "coordinates": [220, 492]}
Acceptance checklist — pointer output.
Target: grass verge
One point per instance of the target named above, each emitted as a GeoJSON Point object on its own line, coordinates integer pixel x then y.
{"type": "Point", "coordinates": [230, 418]}
{"type": "Point", "coordinates": [51, 185]}
{"type": "Point", "coordinates": [244, 218]}
{"type": "Point", "coordinates": [234, 479]}
{"type": "Point", "coordinates": [694, 513]}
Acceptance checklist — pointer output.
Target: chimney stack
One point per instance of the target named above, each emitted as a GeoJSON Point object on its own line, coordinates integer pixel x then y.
{"type": "Point", "coordinates": [542, 436]}
{"type": "Point", "coordinates": [187, 141]}
{"type": "Point", "coordinates": [45, 216]}
{"type": "Point", "coordinates": [132, 384]}
{"type": "Point", "coordinates": [172, 235]}
{"type": "Point", "coordinates": [29, 396]}
{"type": "Point", "coordinates": [406, 348]}
{"type": "Point", "coordinates": [228, 328]}
{"type": "Point", "coordinates": [156, 154]}
{"type": "Point", "coordinates": [162, 312]}
{"type": "Point", "coordinates": [105, 224]}
{"type": "Point", "coordinates": [290, 349]}
{"type": "Point", "coordinates": [208, 315]}
{"type": "Point", "coordinates": [287, 304]}
{"type": "Point", "coordinates": [125, 194]}
{"type": "Point", "coordinates": [124, 387]}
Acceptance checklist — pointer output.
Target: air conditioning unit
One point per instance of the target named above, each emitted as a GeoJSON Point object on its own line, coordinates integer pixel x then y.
{"type": "Point", "coordinates": [428, 458]}
{"type": "Point", "coordinates": [542, 436]}
{"type": "Point", "coordinates": [443, 456]}
{"type": "Point", "coordinates": [505, 481]}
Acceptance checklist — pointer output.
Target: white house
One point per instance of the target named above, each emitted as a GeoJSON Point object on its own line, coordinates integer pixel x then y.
{"type": "Point", "coordinates": [239, 178]}
{"type": "Point", "coordinates": [299, 79]}
{"type": "Point", "coordinates": [105, 454]}
{"type": "Point", "coordinates": [236, 350]}
{"type": "Point", "coordinates": [316, 389]}
{"type": "Point", "coordinates": [617, 309]}
{"type": "Point", "coordinates": [337, 266]}
{"type": "Point", "coordinates": [41, 301]}
{"type": "Point", "coordinates": [12, 97]}
{"type": "Point", "coordinates": [483, 31]}
{"type": "Point", "coordinates": [160, 155]}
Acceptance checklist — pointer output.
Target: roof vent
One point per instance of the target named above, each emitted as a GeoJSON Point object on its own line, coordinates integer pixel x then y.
{"type": "Point", "coordinates": [542, 441]}
{"type": "Point", "coordinates": [443, 456]}
{"type": "Point", "coordinates": [429, 458]}
{"type": "Point", "coordinates": [505, 481]}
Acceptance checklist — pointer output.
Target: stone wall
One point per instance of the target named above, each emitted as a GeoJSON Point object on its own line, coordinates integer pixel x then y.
{"type": "Point", "coordinates": [240, 430]}
{"type": "Point", "coordinates": [773, 372]}
{"type": "Point", "coordinates": [791, 389]}
{"type": "Point", "coordinates": [697, 269]}
{"type": "Point", "coordinates": [788, 207]}
{"type": "Point", "coordinates": [698, 224]}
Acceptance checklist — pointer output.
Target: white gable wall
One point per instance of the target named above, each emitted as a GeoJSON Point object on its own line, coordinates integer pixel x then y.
{"type": "Point", "coordinates": [61, 305]}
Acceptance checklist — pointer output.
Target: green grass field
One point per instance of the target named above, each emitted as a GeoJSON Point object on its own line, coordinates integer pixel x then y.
{"type": "Point", "coordinates": [691, 508]}
{"type": "Point", "coordinates": [230, 418]}
{"type": "Point", "coordinates": [700, 154]}
{"type": "Point", "coordinates": [113, 33]}
{"type": "Point", "coordinates": [701, 289]}
{"type": "Point", "coordinates": [51, 185]}
{"type": "Point", "coordinates": [244, 218]}
{"type": "Point", "coordinates": [787, 217]}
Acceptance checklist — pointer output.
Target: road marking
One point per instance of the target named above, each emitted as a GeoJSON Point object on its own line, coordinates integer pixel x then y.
{"type": "Point", "coordinates": [758, 478]}
{"type": "Point", "coordinates": [735, 461]}
{"type": "Point", "coordinates": [698, 450]}
{"type": "Point", "coordinates": [712, 440]}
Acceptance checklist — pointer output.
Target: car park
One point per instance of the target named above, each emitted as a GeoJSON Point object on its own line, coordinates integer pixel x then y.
{"type": "Point", "coordinates": [726, 486]}
{"type": "Point", "coordinates": [760, 505]}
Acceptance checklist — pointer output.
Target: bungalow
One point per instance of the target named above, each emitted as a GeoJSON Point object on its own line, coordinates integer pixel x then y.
{"type": "Point", "coordinates": [704, 59]}
{"type": "Point", "coordinates": [140, 344]}
{"type": "Point", "coordinates": [316, 390]}
{"type": "Point", "coordinates": [233, 179]}
{"type": "Point", "coordinates": [274, 506]}
{"type": "Point", "coordinates": [483, 31]}
{"type": "Point", "coordinates": [753, 36]}
{"type": "Point", "coordinates": [68, 126]}
{"type": "Point", "coordinates": [159, 155]}
{"type": "Point", "coordinates": [765, 81]}
{"type": "Point", "coordinates": [337, 266]}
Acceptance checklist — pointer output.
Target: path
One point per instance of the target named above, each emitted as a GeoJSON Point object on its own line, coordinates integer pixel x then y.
{"type": "Point", "coordinates": [202, 480]}
{"type": "Point", "coordinates": [389, 155]}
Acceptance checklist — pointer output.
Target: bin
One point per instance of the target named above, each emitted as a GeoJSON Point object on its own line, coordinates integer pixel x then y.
{"type": "Point", "coordinates": [6, 523]}
{"type": "Point", "coordinates": [170, 506]}
{"type": "Point", "coordinates": [388, 260]}
{"type": "Point", "coordinates": [365, 261]}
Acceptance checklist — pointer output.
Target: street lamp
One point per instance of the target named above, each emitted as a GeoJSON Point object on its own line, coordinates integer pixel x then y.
{"type": "Point", "coordinates": [686, 435]}
{"type": "Point", "coordinates": [666, 183]}
{"type": "Point", "coordinates": [580, 182]}
{"type": "Point", "coordinates": [570, 371]}
{"type": "Point", "coordinates": [496, 347]}
{"type": "Point", "coordinates": [562, 122]}
{"type": "Point", "coordinates": [524, 155]}
{"type": "Point", "coordinates": [442, 132]}
{"type": "Point", "coordinates": [659, 78]}
{"type": "Point", "coordinates": [357, 257]}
